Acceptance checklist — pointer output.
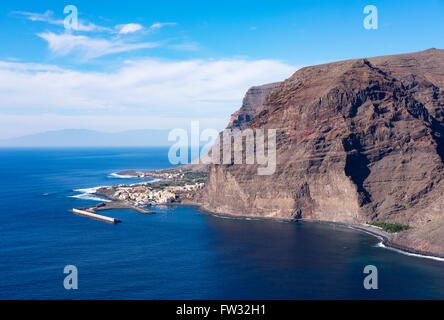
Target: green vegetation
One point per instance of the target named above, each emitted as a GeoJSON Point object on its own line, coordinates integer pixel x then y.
{"type": "Point", "coordinates": [390, 227]}
{"type": "Point", "coordinates": [187, 177]}
{"type": "Point", "coordinates": [107, 191]}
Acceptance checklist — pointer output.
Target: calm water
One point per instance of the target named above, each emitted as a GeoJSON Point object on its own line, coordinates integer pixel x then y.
{"type": "Point", "coordinates": [178, 253]}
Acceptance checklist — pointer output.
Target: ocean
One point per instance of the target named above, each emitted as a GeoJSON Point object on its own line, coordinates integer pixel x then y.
{"type": "Point", "coordinates": [179, 252]}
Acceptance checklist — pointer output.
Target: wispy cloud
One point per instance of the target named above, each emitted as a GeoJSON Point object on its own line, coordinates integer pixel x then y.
{"type": "Point", "coordinates": [159, 25]}
{"type": "Point", "coordinates": [152, 90]}
{"type": "Point", "coordinates": [135, 27]}
{"type": "Point", "coordinates": [87, 47]}
{"type": "Point", "coordinates": [91, 27]}
{"type": "Point", "coordinates": [112, 39]}
{"type": "Point", "coordinates": [48, 17]}
{"type": "Point", "coordinates": [128, 28]}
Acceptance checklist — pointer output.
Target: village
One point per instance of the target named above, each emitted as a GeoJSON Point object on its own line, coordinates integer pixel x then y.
{"type": "Point", "coordinates": [142, 195]}
{"type": "Point", "coordinates": [172, 187]}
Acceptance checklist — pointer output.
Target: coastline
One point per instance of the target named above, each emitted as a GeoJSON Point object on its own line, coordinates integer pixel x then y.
{"type": "Point", "coordinates": [385, 237]}
{"type": "Point", "coordinates": [388, 243]}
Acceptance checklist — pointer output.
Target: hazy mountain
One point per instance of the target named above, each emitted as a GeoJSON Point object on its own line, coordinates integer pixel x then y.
{"type": "Point", "coordinates": [90, 138]}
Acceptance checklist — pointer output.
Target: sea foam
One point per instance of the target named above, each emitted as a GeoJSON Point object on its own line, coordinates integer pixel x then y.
{"type": "Point", "coordinates": [89, 194]}
{"type": "Point", "coordinates": [382, 245]}
{"type": "Point", "coordinates": [121, 176]}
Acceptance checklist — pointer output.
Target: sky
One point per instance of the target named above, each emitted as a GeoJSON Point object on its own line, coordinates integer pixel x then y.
{"type": "Point", "coordinates": [132, 65]}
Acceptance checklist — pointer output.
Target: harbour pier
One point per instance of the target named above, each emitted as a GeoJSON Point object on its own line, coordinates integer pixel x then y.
{"type": "Point", "coordinates": [95, 216]}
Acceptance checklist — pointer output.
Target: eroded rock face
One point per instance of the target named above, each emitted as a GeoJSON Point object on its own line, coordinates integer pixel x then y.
{"type": "Point", "coordinates": [252, 103]}
{"type": "Point", "coordinates": [357, 141]}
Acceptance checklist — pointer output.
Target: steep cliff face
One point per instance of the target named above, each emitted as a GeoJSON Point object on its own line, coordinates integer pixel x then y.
{"type": "Point", "coordinates": [252, 103]}
{"type": "Point", "coordinates": [357, 141]}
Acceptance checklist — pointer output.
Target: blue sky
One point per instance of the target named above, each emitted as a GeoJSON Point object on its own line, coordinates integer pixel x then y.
{"type": "Point", "coordinates": [155, 64]}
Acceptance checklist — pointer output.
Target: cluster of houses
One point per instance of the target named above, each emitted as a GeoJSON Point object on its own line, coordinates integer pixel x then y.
{"type": "Point", "coordinates": [142, 195]}
{"type": "Point", "coordinates": [187, 187]}
{"type": "Point", "coordinates": [159, 175]}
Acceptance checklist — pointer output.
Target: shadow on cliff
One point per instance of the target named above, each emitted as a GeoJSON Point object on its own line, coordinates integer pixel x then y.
{"type": "Point", "coordinates": [356, 166]}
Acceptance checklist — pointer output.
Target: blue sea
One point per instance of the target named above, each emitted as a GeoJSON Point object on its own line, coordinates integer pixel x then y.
{"type": "Point", "coordinates": [179, 252]}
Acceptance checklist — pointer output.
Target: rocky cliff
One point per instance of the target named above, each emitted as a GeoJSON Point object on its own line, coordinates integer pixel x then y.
{"type": "Point", "coordinates": [357, 141]}
{"type": "Point", "coordinates": [252, 103]}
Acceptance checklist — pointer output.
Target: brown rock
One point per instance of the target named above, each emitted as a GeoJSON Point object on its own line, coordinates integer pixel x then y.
{"type": "Point", "coordinates": [252, 103]}
{"type": "Point", "coordinates": [358, 140]}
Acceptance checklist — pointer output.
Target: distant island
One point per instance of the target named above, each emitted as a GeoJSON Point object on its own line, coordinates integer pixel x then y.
{"type": "Point", "coordinates": [89, 138]}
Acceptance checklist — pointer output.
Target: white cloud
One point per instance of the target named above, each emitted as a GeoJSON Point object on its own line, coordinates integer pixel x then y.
{"type": "Point", "coordinates": [159, 25]}
{"type": "Point", "coordinates": [47, 16]}
{"type": "Point", "coordinates": [28, 67]}
{"type": "Point", "coordinates": [128, 28]}
{"type": "Point", "coordinates": [141, 94]}
{"type": "Point", "coordinates": [91, 27]}
{"type": "Point", "coordinates": [89, 48]}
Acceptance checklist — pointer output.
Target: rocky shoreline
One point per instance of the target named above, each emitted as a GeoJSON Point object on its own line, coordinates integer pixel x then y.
{"type": "Point", "coordinates": [387, 239]}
